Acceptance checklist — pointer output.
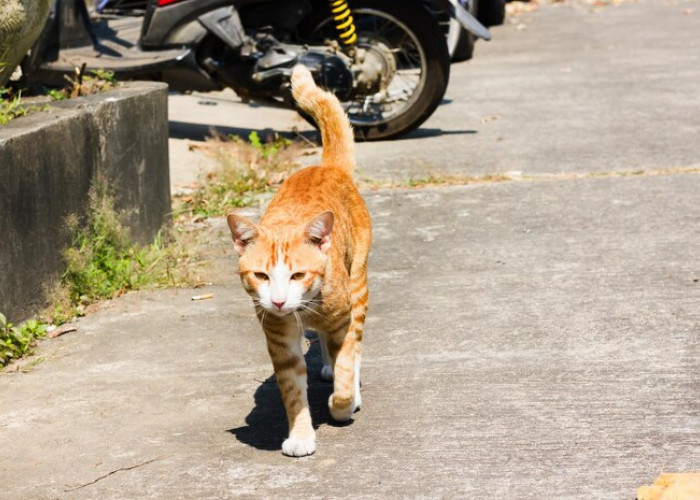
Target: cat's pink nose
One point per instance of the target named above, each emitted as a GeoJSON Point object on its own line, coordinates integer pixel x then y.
{"type": "Point", "coordinates": [278, 305]}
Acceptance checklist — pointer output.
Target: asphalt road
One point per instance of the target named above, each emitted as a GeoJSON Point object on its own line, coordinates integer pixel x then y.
{"type": "Point", "coordinates": [528, 339]}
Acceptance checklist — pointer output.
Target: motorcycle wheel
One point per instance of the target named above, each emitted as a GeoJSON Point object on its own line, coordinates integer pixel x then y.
{"type": "Point", "coordinates": [407, 39]}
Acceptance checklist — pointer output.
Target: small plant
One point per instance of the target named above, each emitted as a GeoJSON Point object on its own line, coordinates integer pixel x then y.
{"type": "Point", "coordinates": [81, 84]}
{"type": "Point", "coordinates": [89, 82]}
{"type": "Point", "coordinates": [84, 82]}
{"type": "Point", "coordinates": [103, 262]}
{"type": "Point", "coordinates": [105, 75]}
{"type": "Point", "coordinates": [11, 106]}
{"type": "Point", "coordinates": [57, 94]}
{"type": "Point", "coordinates": [267, 149]}
{"type": "Point", "coordinates": [16, 341]}
{"type": "Point", "coordinates": [245, 171]}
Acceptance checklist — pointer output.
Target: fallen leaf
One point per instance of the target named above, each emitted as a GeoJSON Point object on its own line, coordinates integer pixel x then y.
{"type": "Point", "coordinates": [61, 330]}
{"type": "Point", "coordinates": [203, 296]}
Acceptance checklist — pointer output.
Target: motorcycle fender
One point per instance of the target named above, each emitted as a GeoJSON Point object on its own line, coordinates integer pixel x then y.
{"type": "Point", "coordinates": [226, 25]}
{"type": "Point", "coordinates": [465, 18]}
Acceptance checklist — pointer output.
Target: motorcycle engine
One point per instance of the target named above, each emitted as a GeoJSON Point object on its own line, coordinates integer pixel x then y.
{"type": "Point", "coordinates": [331, 69]}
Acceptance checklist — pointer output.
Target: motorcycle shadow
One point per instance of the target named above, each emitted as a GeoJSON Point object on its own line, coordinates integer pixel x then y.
{"type": "Point", "coordinates": [266, 424]}
{"type": "Point", "coordinates": [426, 133]}
{"type": "Point", "coordinates": [199, 132]}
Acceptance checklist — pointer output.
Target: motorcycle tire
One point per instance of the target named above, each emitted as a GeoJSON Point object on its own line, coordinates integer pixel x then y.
{"type": "Point", "coordinates": [437, 69]}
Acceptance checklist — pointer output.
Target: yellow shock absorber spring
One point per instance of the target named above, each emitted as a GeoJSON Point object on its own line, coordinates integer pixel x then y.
{"type": "Point", "coordinates": [343, 21]}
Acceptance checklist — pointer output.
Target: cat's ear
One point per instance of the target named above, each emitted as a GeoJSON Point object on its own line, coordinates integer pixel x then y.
{"type": "Point", "coordinates": [242, 231]}
{"type": "Point", "coordinates": [318, 231]}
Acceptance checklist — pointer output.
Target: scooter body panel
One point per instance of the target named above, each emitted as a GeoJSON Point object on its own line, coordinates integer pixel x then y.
{"type": "Point", "coordinates": [161, 22]}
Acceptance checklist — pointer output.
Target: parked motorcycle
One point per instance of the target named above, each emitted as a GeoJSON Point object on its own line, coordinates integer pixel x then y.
{"type": "Point", "coordinates": [460, 42]}
{"type": "Point", "coordinates": [386, 60]}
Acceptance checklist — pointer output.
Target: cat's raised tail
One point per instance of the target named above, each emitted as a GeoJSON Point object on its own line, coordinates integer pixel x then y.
{"type": "Point", "coordinates": [324, 107]}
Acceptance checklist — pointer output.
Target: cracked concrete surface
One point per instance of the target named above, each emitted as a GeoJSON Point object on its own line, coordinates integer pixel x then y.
{"type": "Point", "coordinates": [525, 340]}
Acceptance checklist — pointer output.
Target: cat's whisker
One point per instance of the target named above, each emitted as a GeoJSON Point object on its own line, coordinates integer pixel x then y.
{"type": "Point", "coordinates": [309, 309]}
{"type": "Point", "coordinates": [316, 301]}
{"type": "Point", "coordinates": [301, 325]}
{"type": "Point", "coordinates": [307, 302]}
{"type": "Point", "coordinates": [310, 303]}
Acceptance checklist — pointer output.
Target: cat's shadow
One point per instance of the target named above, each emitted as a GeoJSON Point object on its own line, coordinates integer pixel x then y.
{"type": "Point", "coordinates": [266, 424]}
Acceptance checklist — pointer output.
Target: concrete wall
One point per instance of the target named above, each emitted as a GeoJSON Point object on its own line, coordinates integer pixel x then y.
{"type": "Point", "coordinates": [49, 160]}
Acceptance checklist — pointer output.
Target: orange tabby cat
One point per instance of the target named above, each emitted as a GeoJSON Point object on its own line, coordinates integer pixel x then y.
{"type": "Point", "coordinates": [305, 265]}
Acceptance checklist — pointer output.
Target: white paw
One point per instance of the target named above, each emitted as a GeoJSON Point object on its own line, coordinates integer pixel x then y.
{"type": "Point", "coordinates": [343, 413]}
{"type": "Point", "coordinates": [327, 373]}
{"type": "Point", "coordinates": [297, 447]}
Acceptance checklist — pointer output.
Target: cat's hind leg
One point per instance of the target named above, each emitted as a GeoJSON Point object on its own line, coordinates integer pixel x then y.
{"type": "Point", "coordinates": [344, 345]}
{"type": "Point", "coordinates": [346, 395]}
{"type": "Point", "coordinates": [346, 398]}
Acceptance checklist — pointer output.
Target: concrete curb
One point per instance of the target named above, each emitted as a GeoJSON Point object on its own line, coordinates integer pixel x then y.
{"type": "Point", "coordinates": [49, 160]}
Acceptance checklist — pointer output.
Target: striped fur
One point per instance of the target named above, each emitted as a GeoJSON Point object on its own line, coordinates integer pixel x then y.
{"type": "Point", "coordinates": [305, 266]}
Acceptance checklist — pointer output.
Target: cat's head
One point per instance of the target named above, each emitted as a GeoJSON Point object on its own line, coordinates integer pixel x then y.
{"type": "Point", "coordinates": [282, 268]}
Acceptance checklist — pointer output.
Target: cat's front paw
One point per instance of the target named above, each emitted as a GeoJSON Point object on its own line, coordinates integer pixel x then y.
{"type": "Point", "coordinates": [299, 447]}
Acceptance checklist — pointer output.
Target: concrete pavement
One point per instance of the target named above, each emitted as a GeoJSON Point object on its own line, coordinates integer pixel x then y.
{"type": "Point", "coordinates": [526, 339]}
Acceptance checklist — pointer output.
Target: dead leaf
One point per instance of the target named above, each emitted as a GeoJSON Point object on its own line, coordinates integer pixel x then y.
{"type": "Point", "coordinates": [203, 296]}
{"type": "Point", "coordinates": [61, 330]}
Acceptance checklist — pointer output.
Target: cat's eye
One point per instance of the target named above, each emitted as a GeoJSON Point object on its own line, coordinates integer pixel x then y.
{"type": "Point", "coordinates": [261, 276]}
{"type": "Point", "coordinates": [298, 276]}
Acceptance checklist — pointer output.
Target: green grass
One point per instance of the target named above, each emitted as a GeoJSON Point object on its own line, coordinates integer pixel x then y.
{"type": "Point", "coordinates": [11, 106]}
{"type": "Point", "coordinates": [245, 170]}
{"type": "Point", "coordinates": [103, 262]}
{"type": "Point", "coordinates": [81, 84]}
